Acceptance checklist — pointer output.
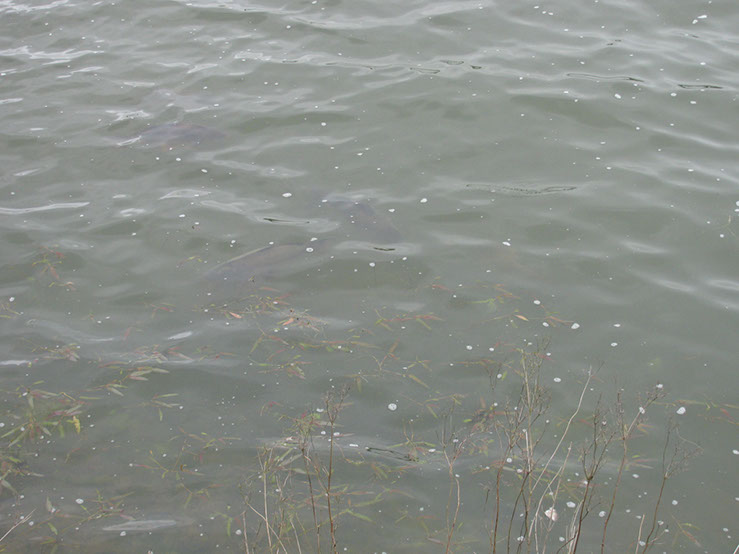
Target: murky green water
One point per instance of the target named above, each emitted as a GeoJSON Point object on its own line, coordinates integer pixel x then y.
{"type": "Point", "coordinates": [430, 189]}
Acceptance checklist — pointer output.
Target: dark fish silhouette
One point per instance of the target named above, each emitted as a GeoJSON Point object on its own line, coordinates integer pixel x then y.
{"type": "Point", "coordinates": [364, 224]}
{"type": "Point", "coordinates": [367, 224]}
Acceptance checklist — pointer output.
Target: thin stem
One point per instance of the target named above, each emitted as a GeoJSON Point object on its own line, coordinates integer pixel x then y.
{"type": "Point", "coordinates": [264, 493]}
{"type": "Point", "coordinates": [328, 487]}
{"type": "Point", "coordinates": [246, 540]}
{"type": "Point", "coordinates": [452, 481]}
{"type": "Point", "coordinates": [567, 427]}
{"type": "Point", "coordinates": [638, 537]}
{"type": "Point", "coordinates": [625, 435]}
{"type": "Point", "coordinates": [18, 524]}
{"type": "Point", "coordinates": [312, 497]}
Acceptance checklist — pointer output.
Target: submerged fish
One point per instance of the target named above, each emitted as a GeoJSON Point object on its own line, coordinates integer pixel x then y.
{"type": "Point", "coordinates": [268, 262]}
{"type": "Point", "coordinates": [367, 223]}
{"type": "Point", "coordinates": [375, 230]}
{"type": "Point", "coordinates": [172, 135]}
{"type": "Point", "coordinates": [147, 524]}
{"type": "Point", "coordinates": [347, 446]}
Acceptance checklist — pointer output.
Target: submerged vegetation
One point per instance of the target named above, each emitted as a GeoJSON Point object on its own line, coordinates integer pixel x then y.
{"type": "Point", "coordinates": [544, 488]}
{"type": "Point", "coordinates": [492, 466]}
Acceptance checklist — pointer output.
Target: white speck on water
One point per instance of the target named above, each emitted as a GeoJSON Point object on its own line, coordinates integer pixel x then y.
{"type": "Point", "coordinates": [635, 475]}
{"type": "Point", "coordinates": [736, 452]}
{"type": "Point", "coordinates": [614, 344]}
{"type": "Point", "coordinates": [602, 513]}
{"type": "Point", "coordinates": [680, 410]}
{"type": "Point", "coordinates": [674, 502]}
{"type": "Point", "coordinates": [545, 324]}
{"type": "Point", "coordinates": [372, 264]}
{"type": "Point", "coordinates": [571, 504]}
{"type": "Point", "coordinates": [392, 406]}
{"type": "Point", "coordinates": [557, 379]}
{"type": "Point", "coordinates": [181, 215]}
{"type": "Point", "coordinates": [468, 347]}
{"type": "Point", "coordinates": [424, 200]}
{"type": "Point", "coordinates": [617, 95]}
{"type": "Point", "coordinates": [537, 302]}
{"type": "Point", "coordinates": [506, 243]}
{"type": "Point", "coordinates": [575, 326]}
{"type": "Point", "coordinates": [660, 386]}
{"type": "Point", "coordinates": [309, 249]}
{"type": "Point", "coordinates": [80, 501]}
{"type": "Point", "coordinates": [287, 194]}
{"type": "Point", "coordinates": [617, 325]}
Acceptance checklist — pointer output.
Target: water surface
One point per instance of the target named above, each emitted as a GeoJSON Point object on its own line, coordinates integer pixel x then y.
{"type": "Point", "coordinates": [495, 177]}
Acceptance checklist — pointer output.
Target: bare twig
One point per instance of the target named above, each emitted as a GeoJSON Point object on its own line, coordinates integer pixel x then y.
{"type": "Point", "coordinates": [17, 524]}
{"type": "Point", "coordinates": [246, 540]}
{"type": "Point", "coordinates": [677, 460]}
{"type": "Point", "coordinates": [638, 537]}
{"type": "Point", "coordinates": [625, 435]}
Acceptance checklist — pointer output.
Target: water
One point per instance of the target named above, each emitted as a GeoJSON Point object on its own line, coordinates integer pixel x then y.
{"type": "Point", "coordinates": [532, 172]}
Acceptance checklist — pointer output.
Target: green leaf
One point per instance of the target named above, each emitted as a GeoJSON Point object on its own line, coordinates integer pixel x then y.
{"type": "Point", "coordinates": [359, 516]}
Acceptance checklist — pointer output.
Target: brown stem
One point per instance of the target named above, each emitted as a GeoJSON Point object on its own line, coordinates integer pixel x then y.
{"type": "Point", "coordinates": [312, 497]}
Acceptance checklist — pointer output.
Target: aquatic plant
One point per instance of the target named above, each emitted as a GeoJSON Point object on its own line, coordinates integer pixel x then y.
{"type": "Point", "coordinates": [537, 462]}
